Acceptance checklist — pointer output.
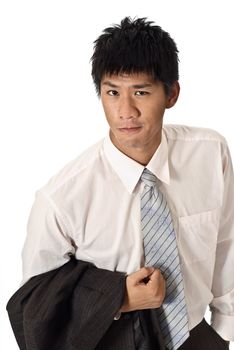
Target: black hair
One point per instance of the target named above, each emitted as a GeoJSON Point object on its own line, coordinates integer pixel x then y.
{"type": "Point", "coordinates": [135, 46]}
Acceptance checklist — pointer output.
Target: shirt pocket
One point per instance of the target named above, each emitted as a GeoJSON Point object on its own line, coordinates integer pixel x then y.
{"type": "Point", "coordinates": [197, 236]}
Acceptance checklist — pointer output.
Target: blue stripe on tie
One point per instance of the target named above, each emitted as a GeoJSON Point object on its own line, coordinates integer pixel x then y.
{"type": "Point", "coordinates": [181, 340]}
{"type": "Point", "coordinates": [175, 331]}
{"type": "Point", "coordinates": [155, 231]}
{"type": "Point", "coordinates": [161, 240]}
{"type": "Point", "coordinates": [165, 271]}
{"type": "Point", "coordinates": [178, 338]}
{"type": "Point", "coordinates": [147, 199]}
{"type": "Point", "coordinates": [177, 322]}
{"type": "Point", "coordinates": [149, 209]}
{"type": "Point", "coordinates": [158, 228]}
{"type": "Point", "coordinates": [177, 275]}
{"type": "Point", "coordinates": [161, 252]}
{"type": "Point", "coordinates": [171, 309]}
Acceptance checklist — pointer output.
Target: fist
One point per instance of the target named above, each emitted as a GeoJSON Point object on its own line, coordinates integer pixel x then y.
{"type": "Point", "coordinates": [145, 289]}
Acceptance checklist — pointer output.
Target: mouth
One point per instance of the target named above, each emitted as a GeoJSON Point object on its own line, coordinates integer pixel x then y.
{"type": "Point", "coordinates": [130, 130]}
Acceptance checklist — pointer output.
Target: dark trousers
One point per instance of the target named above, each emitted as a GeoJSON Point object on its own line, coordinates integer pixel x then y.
{"type": "Point", "coordinates": [204, 337]}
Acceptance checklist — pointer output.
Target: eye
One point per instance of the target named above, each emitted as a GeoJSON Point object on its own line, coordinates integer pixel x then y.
{"type": "Point", "coordinates": [112, 92]}
{"type": "Point", "coordinates": [141, 93]}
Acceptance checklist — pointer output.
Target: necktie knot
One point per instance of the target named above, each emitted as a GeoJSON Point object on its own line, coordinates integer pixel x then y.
{"type": "Point", "coordinates": [148, 178]}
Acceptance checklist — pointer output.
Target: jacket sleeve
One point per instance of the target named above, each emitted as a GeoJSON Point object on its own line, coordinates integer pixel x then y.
{"type": "Point", "coordinates": [70, 307]}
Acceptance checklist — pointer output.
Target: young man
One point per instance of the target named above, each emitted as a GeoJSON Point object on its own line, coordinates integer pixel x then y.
{"type": "Point", "coordinates": [130, 242]}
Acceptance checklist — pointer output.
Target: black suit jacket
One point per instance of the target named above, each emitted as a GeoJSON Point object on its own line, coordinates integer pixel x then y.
{"type": "Point", "coordinates": [72, 308]}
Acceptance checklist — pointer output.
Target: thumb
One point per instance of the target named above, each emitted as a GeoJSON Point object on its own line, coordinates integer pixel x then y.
{"type": "Point", "coordinates": [140, 275]}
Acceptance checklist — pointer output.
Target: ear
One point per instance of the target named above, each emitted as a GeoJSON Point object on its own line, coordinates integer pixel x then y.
{"type": "Point", "coordinates": [173, 94]}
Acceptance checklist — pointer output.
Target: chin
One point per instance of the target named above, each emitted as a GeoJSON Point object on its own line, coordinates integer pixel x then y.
{"type": "Point", "coordinates": [129, 141]}
{"type": "Point", "coordinates": [132, 144]}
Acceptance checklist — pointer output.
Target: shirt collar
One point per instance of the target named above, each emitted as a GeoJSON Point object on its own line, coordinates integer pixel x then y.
{"type": "Point", "coordinates": [158, 164]}
{"type": "Point", "coordinates": [129, 171]}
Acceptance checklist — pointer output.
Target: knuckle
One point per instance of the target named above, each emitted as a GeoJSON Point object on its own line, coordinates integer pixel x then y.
{"type": "Point", "coordinates": [158, 273]}
{"type": "Point", "coordinates": [145, 270]}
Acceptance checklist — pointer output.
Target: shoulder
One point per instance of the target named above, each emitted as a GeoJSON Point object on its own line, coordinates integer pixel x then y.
{"type": "Point", "coordinates": [77, 168]}
{"type": "Point", "coordinates": [190, 133]}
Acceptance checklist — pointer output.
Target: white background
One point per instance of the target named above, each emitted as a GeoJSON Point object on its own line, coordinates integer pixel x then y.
{"type": "Point", "coordinates": [48, 107]}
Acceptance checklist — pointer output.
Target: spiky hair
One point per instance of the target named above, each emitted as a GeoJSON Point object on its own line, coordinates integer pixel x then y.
{"type": "Point", "coordinates": [135, 46]}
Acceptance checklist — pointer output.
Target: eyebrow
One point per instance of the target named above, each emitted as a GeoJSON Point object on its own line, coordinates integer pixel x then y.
{"type": "Point", "coordinates": [135, 86]}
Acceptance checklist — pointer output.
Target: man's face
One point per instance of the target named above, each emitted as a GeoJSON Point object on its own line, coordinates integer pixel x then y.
{"type": "Point", "coordinates": [134, 105]}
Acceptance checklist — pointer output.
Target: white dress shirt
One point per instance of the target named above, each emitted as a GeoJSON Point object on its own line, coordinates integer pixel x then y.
{"type": "Point", "coordinates": [91, 208]}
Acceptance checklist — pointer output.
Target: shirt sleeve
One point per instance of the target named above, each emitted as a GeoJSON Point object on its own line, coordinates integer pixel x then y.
{"type": "Point", "coordinates": [222, 305]}
{"type": "Point", "coordinates": [48, 244]}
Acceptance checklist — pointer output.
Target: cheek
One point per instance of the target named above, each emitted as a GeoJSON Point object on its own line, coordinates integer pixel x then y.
{"type": "Point", "coordinates": [109, 114]}
{"type": "Point", "coordinates": [153, 117]}
{"type": "Point", "coordinates": [106, 110]}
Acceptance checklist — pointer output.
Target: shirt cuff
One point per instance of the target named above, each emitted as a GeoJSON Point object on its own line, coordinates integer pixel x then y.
{"type": "Point", "coordinates": [117, 316]}
{"type": "Point", "coordinates": [223, 325]}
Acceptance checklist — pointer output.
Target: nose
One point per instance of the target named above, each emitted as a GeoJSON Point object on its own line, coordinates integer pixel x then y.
{"type": "Point", "coordinates": [127, 108]}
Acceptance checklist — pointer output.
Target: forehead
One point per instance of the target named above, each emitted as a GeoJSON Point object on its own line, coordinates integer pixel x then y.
{"type": "Point", "coordinates": [130, 79]}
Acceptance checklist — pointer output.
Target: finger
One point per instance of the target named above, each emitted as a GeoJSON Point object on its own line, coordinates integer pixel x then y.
{"type": "Point", "coordinates": [156, 278]}
{"type": "Point", "coordinates": [156, 275]}
{"type": "Point", "coordinates": [140, 275]}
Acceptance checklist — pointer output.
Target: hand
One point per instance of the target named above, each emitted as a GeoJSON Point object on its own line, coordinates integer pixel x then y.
{"type": "Point", "coordinates": [145, 289]}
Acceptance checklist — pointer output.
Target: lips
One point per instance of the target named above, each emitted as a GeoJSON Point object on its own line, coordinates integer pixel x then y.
{"type": "Point", "coordinates": [129, 126]}
{"type": "Point", "coordinates": [129, 130]}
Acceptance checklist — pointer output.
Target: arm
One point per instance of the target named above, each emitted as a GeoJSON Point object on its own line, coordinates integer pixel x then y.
{"type": "Point", "coordinates": [56, 289]}
{"type": "Point", "coordinates": [49, 288]}
{"type": "Point", "coordinates": [63, 307]}
{"type": "Point", "coordinates": [49, 242]}
{"type": "Point", "coordinates": [222, 305]}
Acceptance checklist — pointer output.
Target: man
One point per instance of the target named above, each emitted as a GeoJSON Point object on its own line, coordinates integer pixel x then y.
{"type": "Point", "coordinates": [147, 213]}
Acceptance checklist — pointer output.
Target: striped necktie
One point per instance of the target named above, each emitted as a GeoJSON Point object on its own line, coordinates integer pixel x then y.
{"type": "Point", "coordinates": [161, 252]}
